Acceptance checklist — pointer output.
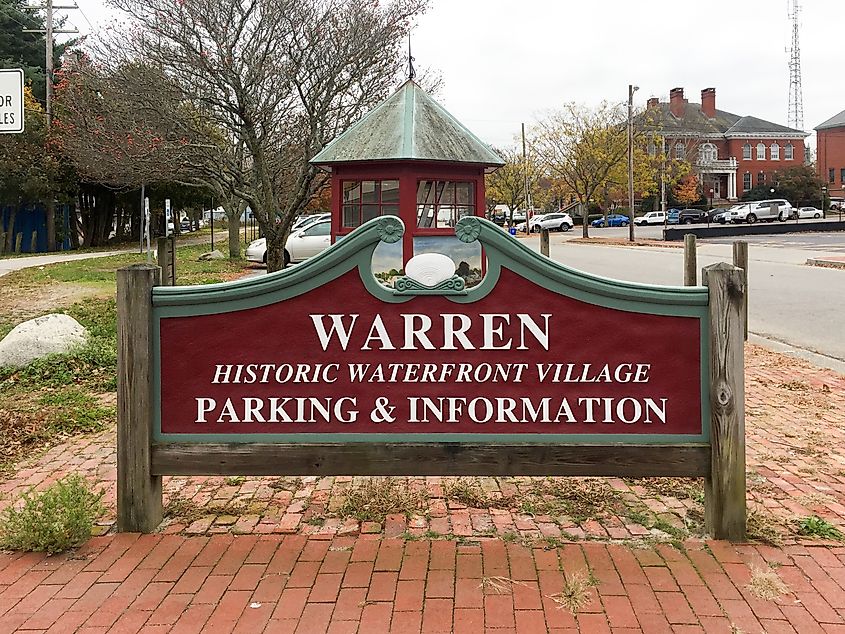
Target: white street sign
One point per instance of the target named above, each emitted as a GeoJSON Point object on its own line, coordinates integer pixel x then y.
{"type": "Point", "coordinates": [11, 101]}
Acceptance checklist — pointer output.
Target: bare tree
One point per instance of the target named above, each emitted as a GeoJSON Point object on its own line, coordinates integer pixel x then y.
{"type": "Point", "coordinates": [279, 78]}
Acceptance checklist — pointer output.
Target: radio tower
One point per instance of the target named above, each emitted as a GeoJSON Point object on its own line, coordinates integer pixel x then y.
{"type": "Point", "coordinates": [796, 100]}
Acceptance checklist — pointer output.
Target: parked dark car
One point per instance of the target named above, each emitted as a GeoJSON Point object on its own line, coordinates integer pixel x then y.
{"type": "Point", "coordinates": [689, 216]}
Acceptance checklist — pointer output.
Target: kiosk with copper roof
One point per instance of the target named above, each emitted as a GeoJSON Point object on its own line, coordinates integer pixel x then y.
{"type": "Point", "coordinates": [410, 158]}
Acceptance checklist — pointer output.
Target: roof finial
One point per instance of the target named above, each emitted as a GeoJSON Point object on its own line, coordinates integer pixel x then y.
{"type": "Point", "coordinates": [411, 72]}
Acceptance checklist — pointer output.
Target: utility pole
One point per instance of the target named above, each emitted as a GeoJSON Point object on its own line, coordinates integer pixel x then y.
{"type": "Point", "coordinates": [527, 183]}
{"type": "Point", "coordinates": [48, 32]}
{"type": "Point", "coordinates": [631, 90]}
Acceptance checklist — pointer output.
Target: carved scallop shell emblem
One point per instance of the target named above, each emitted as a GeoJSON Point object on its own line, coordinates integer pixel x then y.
{"type": "Point", "coordinates": [430, 269]}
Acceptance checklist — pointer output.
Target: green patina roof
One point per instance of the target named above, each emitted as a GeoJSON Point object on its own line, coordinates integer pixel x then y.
{"type": "Point", "coordinates": [408, 125]}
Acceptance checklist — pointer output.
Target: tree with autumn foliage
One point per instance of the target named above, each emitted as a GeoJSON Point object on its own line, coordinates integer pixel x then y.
{"type": "Point", "coordinates": [586, 149]}
{"type": "Point", "coordinates": [278, 78]}
{"type": "Point", "coordinates": [687, 192]}
{"type": "Point", "coordinates": [506, 185]}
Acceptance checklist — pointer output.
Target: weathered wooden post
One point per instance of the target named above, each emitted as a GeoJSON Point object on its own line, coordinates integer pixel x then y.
{"type": "Point", "coordinates": [2, 243]}
{"type": "Point", "coordinates": [166, 256]}
{"type": "Point", "coordinates": [33, 242]}
{"type": "Point", "coordinates": [139, 506]}
{"type": "Point", "coordinates": [18, 242]}
{"type": "Point", "coordinates": [544, 242]}
{"type": "Point", "coordinates": [740, 251]}
{"type": "Point", "coordinates": [690, 266]}
{"type": "Point", "coordinates": [724, 493]}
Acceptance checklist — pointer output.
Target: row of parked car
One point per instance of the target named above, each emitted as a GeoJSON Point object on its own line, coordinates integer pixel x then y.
{"type": "Point", "coordinates": [751, 212]}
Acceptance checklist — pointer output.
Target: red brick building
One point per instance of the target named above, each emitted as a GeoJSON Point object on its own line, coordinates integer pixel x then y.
{"type": "Point", "coordinates": [830, 154]}
{"type": "Point", "coordinates": [730, 153]}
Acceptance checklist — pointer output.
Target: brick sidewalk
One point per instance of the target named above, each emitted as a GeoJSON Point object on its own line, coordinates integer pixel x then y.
{"type": "Point", "coordinates": [500, 553]}
{"type": "Point", "coordinates": [281, 584]}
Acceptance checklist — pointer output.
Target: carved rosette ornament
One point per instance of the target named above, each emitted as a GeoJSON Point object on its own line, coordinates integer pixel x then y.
{"type": "Point", "coordinates": [390, 229]}
{"type": "Point", "coordinates": [468, 229]}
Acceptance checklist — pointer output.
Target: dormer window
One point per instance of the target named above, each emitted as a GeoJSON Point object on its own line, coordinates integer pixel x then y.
{"type": "Point", "coordinates": [708, 153]}
{"type": "Point", "coordinates": [680, 151]}
{"type": "Point", "coordinates": [774, 152]}
{"type": "Point", "coordinates": [788, 152]}
{"type": "Point", "coordinates": [746, 152]}
{"type": "Point", "coordinates": [761, 151]}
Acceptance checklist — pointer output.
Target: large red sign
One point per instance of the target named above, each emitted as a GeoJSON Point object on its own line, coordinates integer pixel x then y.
{"type": "Point", "coordinates": [522, 360]}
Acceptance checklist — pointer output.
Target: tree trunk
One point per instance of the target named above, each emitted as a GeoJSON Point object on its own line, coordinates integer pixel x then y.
{"type": "Point", "coordinates": [585, 216]}
{"type": "Point", "coordinates": [51, 223]}
{"type": "Point", "coordinates": [276, 250]}
{"type": "Point", "coordinates": [233, 221]}
{"type": "Point", "coordinates": [73, 227]}
{"type": "Point", "coordinates": [10, 230]}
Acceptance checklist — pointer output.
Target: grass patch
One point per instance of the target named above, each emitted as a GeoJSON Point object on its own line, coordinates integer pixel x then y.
{"type": "Point", "coordinates": [576, 592]}
{"type": "Point", "coordinates": [469, 492]}
{"type": "Point", "coordinates": [187, 511]}
{"type": "Point", "coordinates": [766, 584]}
{"type": "Point", "coordinates": [678, 488]}
{"type": "Point", "coordinates": [580, 499]}
{"type": "Point", "coordinates": [762, 526]}
{"type": "Point", "coordinates": [373, 499]}
{"type": "Point", "coordinates": [57, 519]}
{"type": "Point", "coordinates": [815, 526]}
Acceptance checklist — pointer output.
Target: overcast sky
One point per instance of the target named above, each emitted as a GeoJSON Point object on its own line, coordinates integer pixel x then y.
{"type": "Point", "coordinates": [505, 62]}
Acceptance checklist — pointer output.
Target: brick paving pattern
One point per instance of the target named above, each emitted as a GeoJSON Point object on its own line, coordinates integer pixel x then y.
{"type": "Point", "coordinates": [275, 555]}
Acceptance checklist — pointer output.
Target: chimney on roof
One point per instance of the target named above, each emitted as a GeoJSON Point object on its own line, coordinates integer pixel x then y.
{"type": "Point", "coordinates": [652, 102]}
{"type": "Point", "coordinates": [708, 103]}
{"type": "Point", "coordinates": [677, 105]}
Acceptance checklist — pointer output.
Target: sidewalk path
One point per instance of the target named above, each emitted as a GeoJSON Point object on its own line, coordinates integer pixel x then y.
{"type": "Point", "coordinates": [481, 554]}
{"type": "Point", "coordinates": [286, 584]}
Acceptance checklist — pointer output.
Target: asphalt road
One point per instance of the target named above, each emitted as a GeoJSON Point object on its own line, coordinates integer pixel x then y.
{"type": "Point", "coordinates": [789, 302]}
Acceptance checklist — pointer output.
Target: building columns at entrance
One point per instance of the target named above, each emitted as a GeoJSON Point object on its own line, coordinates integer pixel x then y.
{"type": "Point", "coordinates": [731, 185]}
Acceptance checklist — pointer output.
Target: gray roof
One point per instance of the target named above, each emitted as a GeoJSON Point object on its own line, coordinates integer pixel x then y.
{"type": "Point", "coordinates": [727, 123]}
{"type": "Point", "coordinates": [408, 125]}
{"type": "Point", "coordinates": [836, 121]}
{"type": "Point", "coordinates": [753, 125]}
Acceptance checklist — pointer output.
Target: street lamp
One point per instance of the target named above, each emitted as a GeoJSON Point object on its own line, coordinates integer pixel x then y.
{"type": "Point", "coordinates": [824, 201]}
{"type": "Point", "coordinates": [631, 90]}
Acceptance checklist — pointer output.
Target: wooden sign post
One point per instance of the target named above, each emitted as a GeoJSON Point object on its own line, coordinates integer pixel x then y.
{"type": "Point", "coordinates": [537, 370]}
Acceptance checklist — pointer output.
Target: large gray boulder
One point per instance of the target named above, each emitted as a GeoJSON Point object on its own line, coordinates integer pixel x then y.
{"type": "Point", "coordinates": [40, 337]}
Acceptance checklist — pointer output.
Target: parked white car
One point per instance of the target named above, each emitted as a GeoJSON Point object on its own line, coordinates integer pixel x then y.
{"type": "Point", "coordinates": [768, 210]}
{"type": "Point", "coordinates": [809, 212]}
{"type": "Point", "coordinates": [304, 221]}
{"type": "Point", "coordinates": [651, 218]}
{"type": "Point", "coordinates": [301, 245]}
{"type": "Point", "coordinates": [553, 222]}
{"type": "Point", "coordinates": [528, 225]}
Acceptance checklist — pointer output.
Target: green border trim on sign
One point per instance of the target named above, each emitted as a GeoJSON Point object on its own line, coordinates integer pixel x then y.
{"type": "Point", "coordinates": [355, 251]}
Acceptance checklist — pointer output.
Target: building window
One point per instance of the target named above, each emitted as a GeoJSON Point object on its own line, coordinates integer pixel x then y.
{"type": "Point", "coordinates": [652, 149]}
{"type": "Point", "coordinates": [774, 152]}
{"type": "Point", "coordinates": [831, 175]}
{"type": "Point", "coordinates": [746, 152]}
{"type": "Point", "coordinates": [365, 200]}
{"type": "Point", "coordinates": [788, 152]}
{"type": "Point", "coordinates": [761, 178]}
{"type": "Point", "coordinates": [842, 176]}
{"type": "Point", "coordinates": [440, 204]}
{"type": "Point", "coordinates": [708, 153]}
{"type": "Point", "coordinates": [680, 151]}
{"type": "Point", "coordinates": [746, 181]}
{"type": "Point", "coordinates": [761, 151]}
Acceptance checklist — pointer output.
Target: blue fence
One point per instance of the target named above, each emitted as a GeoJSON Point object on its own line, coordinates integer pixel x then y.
{"type": "Point", "coordinates": [31, 218]}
